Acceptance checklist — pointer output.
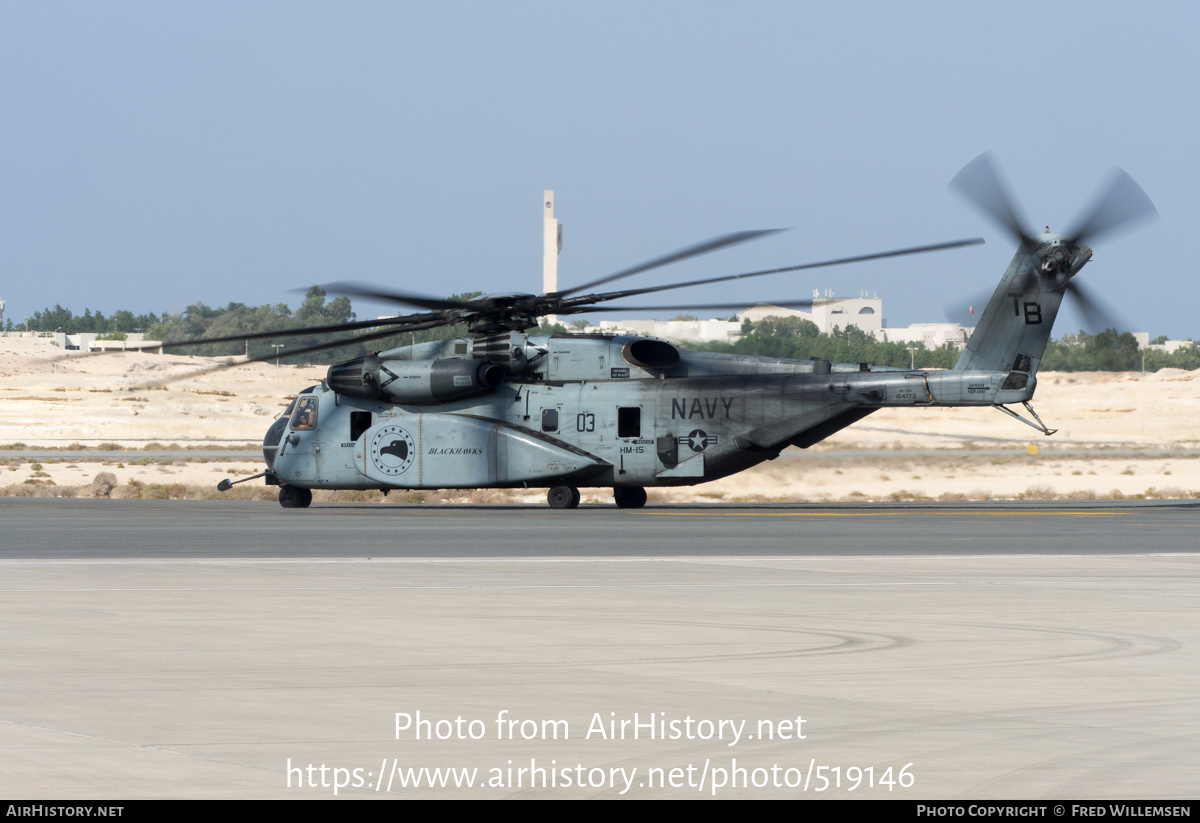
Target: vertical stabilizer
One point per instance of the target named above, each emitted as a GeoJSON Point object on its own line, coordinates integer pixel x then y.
{"type": "Point", "coordinates": [1015, 327]}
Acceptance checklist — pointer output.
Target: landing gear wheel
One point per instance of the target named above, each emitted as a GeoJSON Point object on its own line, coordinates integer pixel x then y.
{"type": "Point", "coordinates": [292, 497]}
{"type": "Point", "coordinates": [629, 497]}
{"type": "Point", "coordinates": [563, 497]}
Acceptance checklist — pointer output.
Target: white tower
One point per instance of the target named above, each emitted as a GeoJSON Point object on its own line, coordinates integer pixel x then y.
{"type": "Point", "coordinates": [551, 246]}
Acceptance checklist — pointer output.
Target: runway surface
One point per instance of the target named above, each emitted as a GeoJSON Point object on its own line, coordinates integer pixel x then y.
{"type": "Point", "coordinates": [80, 528]}
{"type": "Point", "coordinates": [167, 649]}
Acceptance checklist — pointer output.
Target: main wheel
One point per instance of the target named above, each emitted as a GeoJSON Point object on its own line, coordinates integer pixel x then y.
{"type": "Point", "coordinates": [293, 497]}
{"type": "Point", "coordinates": [629, 497]}
{"type": "Point", "coordinates": [563, 497]}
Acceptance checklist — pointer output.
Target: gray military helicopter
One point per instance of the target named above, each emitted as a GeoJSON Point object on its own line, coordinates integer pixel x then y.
{"type": "Point", "coordinates": [506, 409]}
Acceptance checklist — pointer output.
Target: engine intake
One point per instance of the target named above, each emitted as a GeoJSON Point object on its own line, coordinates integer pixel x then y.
{"type": "Point", "coordinates": [421, 382]}
{"type": "Point", "coordinates": [651, 354]}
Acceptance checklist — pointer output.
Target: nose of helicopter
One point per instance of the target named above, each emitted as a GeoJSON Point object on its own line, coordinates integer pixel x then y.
{"type": "Point", "coordinates": [271, 441]}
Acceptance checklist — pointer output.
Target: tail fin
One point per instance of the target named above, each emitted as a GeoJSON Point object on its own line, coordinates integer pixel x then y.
{"type": "Point", "coordinates": [1015, 327]}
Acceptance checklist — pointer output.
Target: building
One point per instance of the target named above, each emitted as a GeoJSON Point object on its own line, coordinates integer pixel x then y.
{"type": "Point", "coordinates": [88, 341]}
{"type": "Point", "coordinates": [828, 313]}
{"type": "Point", "coordinates": [1167, 346]}
{"type": "Point", "coordinates": [932, 335]}
{"type": "Point", "coordinates": [685, 331]}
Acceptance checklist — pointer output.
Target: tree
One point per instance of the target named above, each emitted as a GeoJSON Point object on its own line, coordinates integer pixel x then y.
{"type": "Point", "coordinates": [1107, 351]}
{"type": "Point", "coordinates": [795, 338]}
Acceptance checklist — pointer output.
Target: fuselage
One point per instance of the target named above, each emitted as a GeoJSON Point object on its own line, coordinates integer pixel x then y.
{"type": "Point", "coordinates": [595, 410]}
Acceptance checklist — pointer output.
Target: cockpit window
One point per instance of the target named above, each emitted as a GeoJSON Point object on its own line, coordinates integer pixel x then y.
{"type": "Point", "coordinates": [305, 417]}
{"type": "Point", "coordinates": [288, 411]}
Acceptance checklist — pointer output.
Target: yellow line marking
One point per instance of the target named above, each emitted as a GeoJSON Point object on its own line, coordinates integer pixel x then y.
{"type": "Point", "coordinates": [882, 514]}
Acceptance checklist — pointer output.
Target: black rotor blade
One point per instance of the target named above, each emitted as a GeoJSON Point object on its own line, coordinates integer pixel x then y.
{"type": "Point", "coordinates": [675, 256]}
{"type": "Point", "coordinates": [1121, 203]}
{"type": "Point", "coordinates": [783, 304]}
{"type": "Point", "coordinates": [606, 296]}
{"type": "Point", "coordinates": [432, 323]}
{"type": "Point", "coordinates": [980, 183]}
{"type": "Point", "coordinates": [265, 335]}
{"type": "Point", "coordinates": [1097, 315]}
{"type": "Point", "coordinates": [418, 300]}
{"type": "Point", "coordinates": [428, 324]}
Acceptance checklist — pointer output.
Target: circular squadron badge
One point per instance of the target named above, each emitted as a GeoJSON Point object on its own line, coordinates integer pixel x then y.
{"type": "Point", "coordinates": [392, 450]}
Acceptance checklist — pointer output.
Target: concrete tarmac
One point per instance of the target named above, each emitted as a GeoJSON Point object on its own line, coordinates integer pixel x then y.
{"type": "Point", "coordinates": [88, 529]}
{"type": "Point", "coordinates": [168, 649]}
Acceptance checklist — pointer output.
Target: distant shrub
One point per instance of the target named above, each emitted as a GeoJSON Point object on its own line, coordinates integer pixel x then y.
{"type": "Point", "coordinates": [103, 484]}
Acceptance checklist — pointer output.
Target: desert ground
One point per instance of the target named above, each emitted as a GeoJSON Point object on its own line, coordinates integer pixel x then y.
{"type": "Point", "coordinates": [127, 432]}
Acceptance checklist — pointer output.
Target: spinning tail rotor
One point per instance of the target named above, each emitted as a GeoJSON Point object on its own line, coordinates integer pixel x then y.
{"type": "Point", "coordinates": [1119, 205]}
{"type": "Point", "coordinates": [1013, 331]}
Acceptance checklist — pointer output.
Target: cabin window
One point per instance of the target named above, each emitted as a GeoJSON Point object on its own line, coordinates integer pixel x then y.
{"type": "Point", "coordinates": [629, 421]}
{"type": "Point", "coordinates": [360, 421]}
{"type": "Point", "coordinates": [305, 416]}
{"type": "Point", "coordinates": [549, 420]}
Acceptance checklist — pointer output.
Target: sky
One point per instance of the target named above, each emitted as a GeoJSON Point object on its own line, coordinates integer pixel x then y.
{"type": "Point", "coordinates": [156, 155]}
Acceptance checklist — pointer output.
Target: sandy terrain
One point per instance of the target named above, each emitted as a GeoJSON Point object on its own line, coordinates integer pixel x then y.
{"type": "Point", "coordinates": [54, 398]}
{"type": "Point", "coordinates": [1120, 434]}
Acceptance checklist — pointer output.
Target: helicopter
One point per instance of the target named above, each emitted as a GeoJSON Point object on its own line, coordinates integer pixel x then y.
{"type": "Point", "coordinates": [503, 408]}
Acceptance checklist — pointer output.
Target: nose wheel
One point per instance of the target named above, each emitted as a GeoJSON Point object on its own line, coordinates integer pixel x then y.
{"type": "Point", "coordinates": [629, 497]}
{"type": "Point", "coordinates": [563, 497]}
{"type": "Point", "coordinates": [292, 497]}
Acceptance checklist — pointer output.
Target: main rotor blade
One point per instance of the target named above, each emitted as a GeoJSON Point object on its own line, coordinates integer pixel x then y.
{"type": "Point", "coordinates": [604, 297]}
{"type": "Point", "coordinates": [432, 323]}
{"type": "Point", "coordinates": [1097, 315]}
{"type": "Point", "coordinates": [1122, 202]}
{"type": "Point", "coordinates": [418, 300]}
{"type": "Point", "coordinates": [980, 183]}
{"type": "Point", "coordinates": [675, 256]}
{"type": "Point", "coordinates": [428, 324]}
{"type": "Point", "coordinates": [265, 335]}
{"type": "Point", "coordinates": [783, 304]}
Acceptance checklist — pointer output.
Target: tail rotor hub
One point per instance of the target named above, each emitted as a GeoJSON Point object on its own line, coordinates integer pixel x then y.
{"type": "Point", "coordinates": [1055, 260]}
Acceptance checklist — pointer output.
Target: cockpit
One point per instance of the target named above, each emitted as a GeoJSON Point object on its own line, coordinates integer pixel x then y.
{"type": "Point", "coordinates": [304, 418]}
